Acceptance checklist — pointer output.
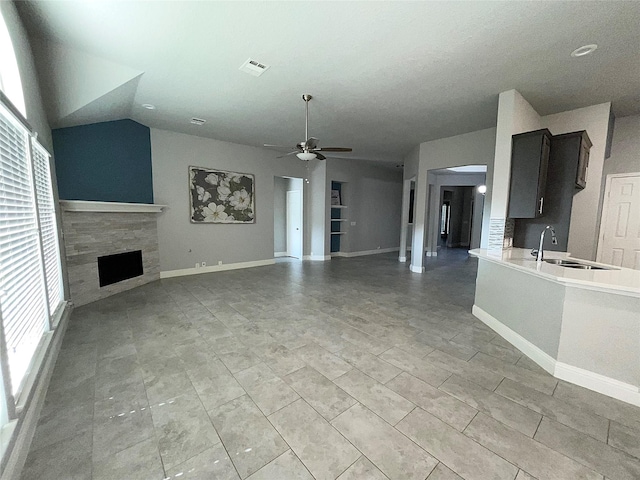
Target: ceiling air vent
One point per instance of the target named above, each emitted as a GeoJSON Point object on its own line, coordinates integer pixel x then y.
{"type": "Point", "coordinates": [198, 121]}
{"type": "Point", "coordinates": [253, 68]}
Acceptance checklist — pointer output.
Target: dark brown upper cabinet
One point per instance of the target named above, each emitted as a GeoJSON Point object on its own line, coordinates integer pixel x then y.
{"type": "Point", "coordinates": [529, 162]}
{"type": "Point", "coordinates": [567, 150]}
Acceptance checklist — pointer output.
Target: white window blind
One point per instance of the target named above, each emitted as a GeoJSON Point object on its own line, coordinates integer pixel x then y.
{"type": "Point", "coordinates": [22, 288]}
{"type": "Point", "coordinates": [48, 226]}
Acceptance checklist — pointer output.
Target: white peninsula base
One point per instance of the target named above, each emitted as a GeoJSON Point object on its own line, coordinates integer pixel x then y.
{"type": "Point", "coordinates": [582, 326]}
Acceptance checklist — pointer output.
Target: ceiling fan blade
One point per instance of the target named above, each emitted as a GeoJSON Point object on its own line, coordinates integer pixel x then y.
{"type": "Point", "coordinates": [319, 156]}
{"type": "Point", "coordinates": [334, 149]}
{"type": "Point", "coordinates": [282, 147]}
{"type": "Point", "coordinates": [287, 154]}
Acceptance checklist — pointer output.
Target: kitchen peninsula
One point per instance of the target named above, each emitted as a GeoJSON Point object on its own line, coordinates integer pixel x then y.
{"type": "Point", "coordinates": [581, 325]}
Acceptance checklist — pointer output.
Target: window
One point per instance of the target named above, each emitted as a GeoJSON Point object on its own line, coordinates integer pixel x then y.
{"type": "Point", "coordinates": [30, 273]}
{"type": "Point", "coordinates": [10, 82]}
{"type": "Point", "coordinates": [48, 225]}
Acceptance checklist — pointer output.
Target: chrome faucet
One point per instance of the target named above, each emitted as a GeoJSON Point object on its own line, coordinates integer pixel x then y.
{"type": "Point", "coordinates": [554, 240]}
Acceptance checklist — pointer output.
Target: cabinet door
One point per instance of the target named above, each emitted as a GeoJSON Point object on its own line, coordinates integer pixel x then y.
{"type": "Point", "coordinates": [583, 165]}
{"type": "Point", "coordinates": [529, 160]}
{"type": "Point", "coordinates": [542, 175]}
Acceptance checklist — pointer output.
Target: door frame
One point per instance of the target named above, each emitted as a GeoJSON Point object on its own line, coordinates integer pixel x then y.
{"type": "Point", "coordinates": [605, 208]}
{"type": "Point", "coordinates": [287, 221]}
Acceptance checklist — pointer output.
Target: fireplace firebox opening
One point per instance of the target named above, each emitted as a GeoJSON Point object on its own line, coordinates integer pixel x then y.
{"type": "Point", "coordinates": [120, 266]}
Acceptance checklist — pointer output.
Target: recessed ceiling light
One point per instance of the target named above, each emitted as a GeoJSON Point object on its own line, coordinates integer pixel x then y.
{"type": "Point", "coordinates": [584, 50]}
{"type": "Point", "coordinates": [148, 106]}
{"type": "Point", "coordinates": [197, 121]}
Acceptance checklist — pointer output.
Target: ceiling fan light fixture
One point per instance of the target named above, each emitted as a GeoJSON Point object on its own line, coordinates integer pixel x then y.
{"type": "Point", "coordinates": [306, 156]}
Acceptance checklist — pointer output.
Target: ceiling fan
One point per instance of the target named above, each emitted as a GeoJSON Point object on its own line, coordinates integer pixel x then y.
{"type": "Point", "coordinates": [309, 149]}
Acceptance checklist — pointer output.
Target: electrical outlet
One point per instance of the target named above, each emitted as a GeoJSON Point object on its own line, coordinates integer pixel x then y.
{"type": "Point", "coordinates": [204, 264]}
{"type": "Point", "coordinates": [219, 262]}
{"type": "Point", "coordinates": [197, 265]}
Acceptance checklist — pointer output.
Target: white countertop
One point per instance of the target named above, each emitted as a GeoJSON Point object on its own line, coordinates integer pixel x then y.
{"type": "Point", "coordinates": [623, 281]}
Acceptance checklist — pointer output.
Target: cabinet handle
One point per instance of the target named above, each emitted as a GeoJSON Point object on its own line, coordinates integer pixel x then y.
{"type": "Point", "coordinates": [541, 202]}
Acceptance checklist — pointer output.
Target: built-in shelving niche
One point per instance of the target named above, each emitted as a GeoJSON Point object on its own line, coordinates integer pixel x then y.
{"type": "Point", "coordinates": [339, 218]}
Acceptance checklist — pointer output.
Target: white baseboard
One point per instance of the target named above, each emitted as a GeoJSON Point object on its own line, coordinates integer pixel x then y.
{"type": "Point", "coordinates": [543, 359]}
{"type": "Point", "coordinates": [280, 254]}
{"type": "Point", "coordinates": [431, 254]}
{"type": "Point", "coordinates": [365, 252]}
{"type": "Point", "coordinates": [578, 376]}
{"type": "Point", "coordinates": [599, 383]}
{"type": "Point", "coordinates": [216, 268]}
{"type": "Point", "coordinates": [416, 269]}
{"type": "Point", "coordinates": [402, 259]}
{"type": "Point", "coordinates": [317, 258]}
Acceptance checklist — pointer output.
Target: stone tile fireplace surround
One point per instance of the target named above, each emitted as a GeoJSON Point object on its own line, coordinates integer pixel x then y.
{"type": "Point", "coordinates": [95, 229]}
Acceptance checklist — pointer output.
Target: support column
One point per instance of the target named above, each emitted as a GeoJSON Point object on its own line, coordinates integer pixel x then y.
{"type": "Point", "coordinates": [433, 219]}
{"type": "Point", "coordinates": [515, 115]}
{"type": "Point", "coordinates": [404, 222]}
{"type": "Point", "coordinates": [419, 222]}
{"type": "Point", "coordinates": [318, 203]}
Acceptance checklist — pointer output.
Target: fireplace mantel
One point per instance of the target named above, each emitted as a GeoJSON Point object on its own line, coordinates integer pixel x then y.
{"type": "Point", "coordinates": [109, 207]}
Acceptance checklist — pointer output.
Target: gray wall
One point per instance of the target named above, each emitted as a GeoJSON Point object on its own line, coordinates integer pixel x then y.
{"type": "Point", "coordinates": [625, 149]}
{"type": "Point", "coordinates": [585, 209]}
{"type": "Point", "coordinates": [375, 190]}
{"type": "Point", "coordinates": [182, 243]}
{"type": "Point", "coordinates": [280, 187]}
{"type": "Point", "coordinates": [316, 210]}
{"type": "Point", "coordinates": [601, 334]}
{"type": "Point", "coordinates": [33, 100]}
{"type": "Point", "coordinates": [515, 299]}
{"type": "Point", "coordinates": [373, 193]}
{"type": "Point", "coordinates": [475, 148]}
{"type": "Point", "coordinates": [625, 153]}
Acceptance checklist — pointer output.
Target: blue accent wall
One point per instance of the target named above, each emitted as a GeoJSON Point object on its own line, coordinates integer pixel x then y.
{"type": "Point", "coordinates": [109, 162]}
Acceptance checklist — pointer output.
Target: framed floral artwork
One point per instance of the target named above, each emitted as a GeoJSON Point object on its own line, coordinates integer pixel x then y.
{"type": "Point", "coordinates": [221, 197]}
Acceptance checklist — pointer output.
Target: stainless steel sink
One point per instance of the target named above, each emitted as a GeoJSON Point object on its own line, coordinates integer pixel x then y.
{"type": "Point", "coordinates": [582, 266]}
{"type": "Point", "coordinates": [561, 262]}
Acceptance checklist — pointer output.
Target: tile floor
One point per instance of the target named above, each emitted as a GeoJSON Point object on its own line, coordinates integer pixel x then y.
{"type": "Point", "coordinates": [350, 369]}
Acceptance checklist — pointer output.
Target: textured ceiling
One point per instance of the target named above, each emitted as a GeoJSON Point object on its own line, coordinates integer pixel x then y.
{"type": "Point", "coordinates": [385, 76]}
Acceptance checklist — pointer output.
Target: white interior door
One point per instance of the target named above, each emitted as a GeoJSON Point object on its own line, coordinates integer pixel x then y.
{"type": "Point", "coordinates": [294, 224]}
{"type": "Point", "coordinates": [620, 227]}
